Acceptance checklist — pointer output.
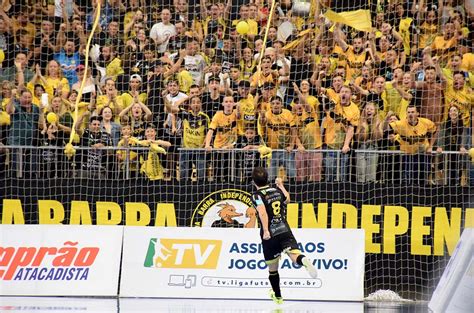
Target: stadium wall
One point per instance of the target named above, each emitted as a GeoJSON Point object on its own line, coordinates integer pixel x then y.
{"type": "Point", "coordinates": [410, 231]}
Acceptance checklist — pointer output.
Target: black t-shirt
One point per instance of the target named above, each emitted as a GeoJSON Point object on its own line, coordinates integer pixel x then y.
{"type": "Point", "coordinates": [177, 43]}
{"type": "Point", "coordinates": [248, 158]}
{"type": "Point", "coordinates": [211, 106]}
{"type": "Point", "coordinates": [299, 70]}
{"type": "Point", "coordinates": [46, 54]}
{"type": "Point", "coordinates": [92, 158]}
{"type": "Point", "coordinates": [51, 155]}
{"type": "Point", "coordinates": [104, 39]}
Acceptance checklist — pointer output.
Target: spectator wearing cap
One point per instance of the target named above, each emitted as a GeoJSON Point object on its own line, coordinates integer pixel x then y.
{"type": "Point", "coordinates": [135, 90]}
{"type": "Point", "coordinates": [92, 160]}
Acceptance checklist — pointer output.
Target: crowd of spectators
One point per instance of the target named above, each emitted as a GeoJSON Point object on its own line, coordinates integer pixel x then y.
{"type": "Point", "coordinates": [175, 77]}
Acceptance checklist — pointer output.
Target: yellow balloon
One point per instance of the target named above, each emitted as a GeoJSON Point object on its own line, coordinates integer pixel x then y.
{"type": "Point", "coordinates": [242, 27]}
{"type": "Point", "coordinates": [2, 56]}
{"type": "Point", "coordinates": [471, 154]}
{"type": "Point", "coordinates": [52, 118]}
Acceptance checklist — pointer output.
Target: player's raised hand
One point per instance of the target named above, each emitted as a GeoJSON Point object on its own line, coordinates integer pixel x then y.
{"type": "Point", "coordinates": [278, 181]}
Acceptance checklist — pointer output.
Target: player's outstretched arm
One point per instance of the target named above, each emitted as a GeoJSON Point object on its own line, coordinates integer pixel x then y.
{"type": "Point", "coordinates": [279, 184]}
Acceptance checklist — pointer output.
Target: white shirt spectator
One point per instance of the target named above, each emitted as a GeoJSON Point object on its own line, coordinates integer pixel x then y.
{"type": "Point", "coordinates": [162, 32]}
{"type": "Point", "coordinates": [58, 9]}
{"type": "Point", "coordinates": [195, 65]}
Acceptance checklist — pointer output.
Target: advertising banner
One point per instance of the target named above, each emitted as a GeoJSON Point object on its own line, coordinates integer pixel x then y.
{"type": "Point", "coordinates": [41, 260]}
{"type": "Point", "coordinates": [416, 226]}
{"type": "Point", "coordinates": [228, 263]}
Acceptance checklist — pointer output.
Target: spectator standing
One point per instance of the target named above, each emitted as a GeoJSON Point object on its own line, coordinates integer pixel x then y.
{"type": "Point", "coordinates": [26, 121]}
{"type": "Point", "coordinates": [93, 160]}
{"type": "Point", "coordinates": [367, 136]}
{"type": "Point", "coordinates": [162, 32]}
{"type": "Point", "coordinates": [280, 134]}
{"type": "Point", "coordinates": [417, 137]}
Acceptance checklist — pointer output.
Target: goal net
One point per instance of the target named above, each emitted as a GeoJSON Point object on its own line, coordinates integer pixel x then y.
{"type": "Point", "coordinates": [138, 112]}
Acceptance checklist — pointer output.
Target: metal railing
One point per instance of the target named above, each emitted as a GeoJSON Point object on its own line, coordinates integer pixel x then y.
{"type": "Point", "coordinates": [446, 168]}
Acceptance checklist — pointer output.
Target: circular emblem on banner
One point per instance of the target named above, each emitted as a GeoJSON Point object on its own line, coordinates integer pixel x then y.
{"type": "Point", "coordinates": [232, 208]}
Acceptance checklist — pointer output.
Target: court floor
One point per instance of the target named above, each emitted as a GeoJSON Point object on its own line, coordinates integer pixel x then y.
{"type": "Point", "coordinates": [141, 305]}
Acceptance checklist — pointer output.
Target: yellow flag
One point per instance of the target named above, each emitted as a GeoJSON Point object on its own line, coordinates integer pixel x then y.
{"type": "Point", "coordinates": [359, 19]}
{"type": "Point", "coordinates": [293, 44]}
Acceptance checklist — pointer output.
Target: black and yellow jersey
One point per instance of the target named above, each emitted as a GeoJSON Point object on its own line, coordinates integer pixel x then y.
{"type": "Point", "coordinates": [308, 129]}
{"type": "Point", "coordinates": [194, 128]}
{"type": "Point", "coordinates": [225, 128]}
{"type": "Point", "coordinates": [414, 138]}
{"type": "Point", "coordinates": [275, 205]}
{"type": "Point", "coordinates": [278, 129]}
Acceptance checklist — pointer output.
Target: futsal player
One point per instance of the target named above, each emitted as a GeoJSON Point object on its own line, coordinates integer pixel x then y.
{"type": "Point", "coordinates": [275, 232]}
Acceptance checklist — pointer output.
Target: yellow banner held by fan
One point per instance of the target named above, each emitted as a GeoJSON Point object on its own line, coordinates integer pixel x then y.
{"type": "Point", "coordinates": [293, 44]}
{"type": "Point", "coordinates": [359, 19]}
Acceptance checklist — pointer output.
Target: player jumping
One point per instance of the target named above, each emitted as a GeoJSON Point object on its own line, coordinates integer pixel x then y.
{"type": "Point", "coordinates": [275, 232]}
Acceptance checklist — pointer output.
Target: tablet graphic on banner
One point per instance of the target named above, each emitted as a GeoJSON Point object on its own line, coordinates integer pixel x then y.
{"type": "Point", "coordinates": [228, 263]}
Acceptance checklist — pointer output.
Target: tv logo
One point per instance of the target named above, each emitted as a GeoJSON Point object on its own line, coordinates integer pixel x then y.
{"type": "Point", "coordinates": [183, 253]}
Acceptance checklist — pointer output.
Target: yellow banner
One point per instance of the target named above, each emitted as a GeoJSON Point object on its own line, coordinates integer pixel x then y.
{"type": "Point", "coordinates": [359, 19]}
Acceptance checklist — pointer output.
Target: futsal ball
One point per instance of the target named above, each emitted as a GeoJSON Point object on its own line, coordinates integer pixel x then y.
{"type": "Point", "coordinates": [2, 56]}
{"type": "Point", "coordinates": [52, 118]}
{"type": "Point", "coordinates": [242, 27]}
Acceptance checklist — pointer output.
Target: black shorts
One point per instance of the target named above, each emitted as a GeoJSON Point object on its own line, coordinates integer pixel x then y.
{"type": "Point", "coordinates": [273, 247]}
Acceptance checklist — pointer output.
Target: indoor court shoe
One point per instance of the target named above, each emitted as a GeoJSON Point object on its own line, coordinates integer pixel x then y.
{"type": "Point", "coordinates": [277, 300]}
{"type": "Point", "coordinates": [310, 267]}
